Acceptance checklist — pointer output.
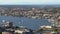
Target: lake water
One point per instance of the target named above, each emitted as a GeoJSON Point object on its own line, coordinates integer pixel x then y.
{"type": "Point", "coordinates": [27, 22]}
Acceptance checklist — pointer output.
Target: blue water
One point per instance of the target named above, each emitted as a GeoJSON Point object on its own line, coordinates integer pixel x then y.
{"type": "Point", "coordinates": [27, 22]}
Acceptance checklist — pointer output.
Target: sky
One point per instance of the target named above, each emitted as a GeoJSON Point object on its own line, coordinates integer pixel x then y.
{"type": "Point", "coordinates": [28, 2]}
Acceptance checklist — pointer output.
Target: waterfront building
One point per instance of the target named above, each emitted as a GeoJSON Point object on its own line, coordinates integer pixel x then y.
{"type": "Point", "coordinates": [46, 26]}
{"type": "Point", "coordinates": [57, 22]}
{"type": "Point", "coordinates": [23, 31]}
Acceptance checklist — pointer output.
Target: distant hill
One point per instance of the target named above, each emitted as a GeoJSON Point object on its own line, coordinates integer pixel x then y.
{"type": "Point", "coordinates": [29, 6]}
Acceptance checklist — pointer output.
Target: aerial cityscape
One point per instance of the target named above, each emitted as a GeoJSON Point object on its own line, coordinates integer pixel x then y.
{"type": "Point", "coordinates": [29, 16]}
{"type": "Point", "coordinates": [29, 20]}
